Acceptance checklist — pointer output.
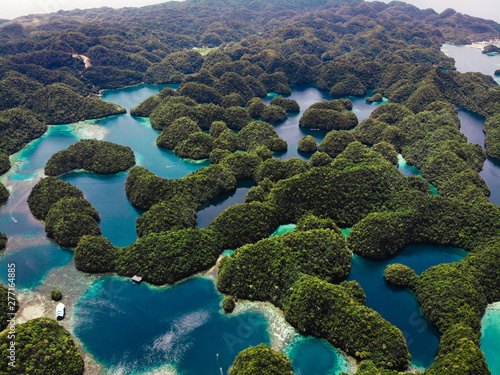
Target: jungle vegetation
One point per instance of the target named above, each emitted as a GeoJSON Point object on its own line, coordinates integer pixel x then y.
{"type": "Point", "coordinates": [42, 347]}
{"type": "Point", "coordinates": [92, 155]}
{"type": "Point", "coordinates": [4, 163]}
{"type": "Point", "coordinates": [4, 193]}
{"type": "Point", "coordinates": [68, 216]}
{"type": "Point", "coordinates": [261, 359]}
{"type": "Point", "coordinates": [345, 47]}
{"type": "Point", "coordinates": [3, 240]}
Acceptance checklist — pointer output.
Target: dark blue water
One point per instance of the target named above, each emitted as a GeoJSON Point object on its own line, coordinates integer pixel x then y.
{"type": "Point", "coordinates": [211, 210]}
{"type": "Point", "coordinates": [399, 306]}
{"type": "Point", "coordinates": [134, 328]}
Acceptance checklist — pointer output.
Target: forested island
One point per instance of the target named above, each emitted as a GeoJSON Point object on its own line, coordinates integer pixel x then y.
{"type": "Point", "coordinates": [346, 48]}
{"type": "Point", "coordinates": [94, 156]}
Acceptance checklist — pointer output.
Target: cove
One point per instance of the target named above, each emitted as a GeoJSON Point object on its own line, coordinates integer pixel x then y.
{"type": "Point", "coordinates": [311, 355]}
{"type": "Point", "coordinates": [181, 326]}
{"type": "Point", "coordinates": [399, 306]}
{"type": "Point", "coordinates": [107, 195]}
{"type": "Point", "coordinates": [472, 127]}
{"type": "Point", "coordinates": [193, 300]}
{"type": "Point", "coordinates": [134, 328]}
{"type": "Point", "coordinates": [137, 133]}
{"type": "Point", "coordinates": [35, 255]}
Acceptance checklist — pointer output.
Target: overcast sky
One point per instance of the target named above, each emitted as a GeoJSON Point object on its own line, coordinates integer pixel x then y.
{"type": "Point", "coordinates": [489, 9]}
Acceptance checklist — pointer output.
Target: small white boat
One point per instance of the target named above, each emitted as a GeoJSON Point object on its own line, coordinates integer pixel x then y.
{"type": "Point", "coordinates": [137, 279]}
{"type": "Point", "coordinates": [60, 311]}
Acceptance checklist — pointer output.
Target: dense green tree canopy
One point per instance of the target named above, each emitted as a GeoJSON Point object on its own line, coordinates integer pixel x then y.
{"type": "Point", "coordinates": [92, 155]}
{"type": "Point", "coordinates": [42, 347]}
{"type": "Point", "coordinates": [4, 193]}
{"type": "Point", "coordinates": [261, 359]}
{"type": "Point", "coordinates": [4, 163]}
{"type": "Point", "coordinates": [3, 240]}
{"type": "Point", "coordinates": [18, 127]}
{"type": "Point", "coordinates": [169, 256]}
{"type": "Point", "coordinates": [264, 270]}
{"type": "Point", "coordinates": [308, 144]}
{"type": "Point", "coordinates": [345, 322]}
{"type": "Point", "coordinates": [46, 192]}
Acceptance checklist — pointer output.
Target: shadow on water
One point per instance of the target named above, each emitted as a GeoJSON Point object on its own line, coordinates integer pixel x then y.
{"type": "Point", "coordinates": [211, 210]}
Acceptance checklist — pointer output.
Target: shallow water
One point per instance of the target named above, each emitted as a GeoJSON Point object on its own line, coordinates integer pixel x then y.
{"type": "Point", "coordinates": [282, 229]}
{"type": "Point", "coordinates": [490, 337]}
{"type": "Point", "coordinates": [34, 263]}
